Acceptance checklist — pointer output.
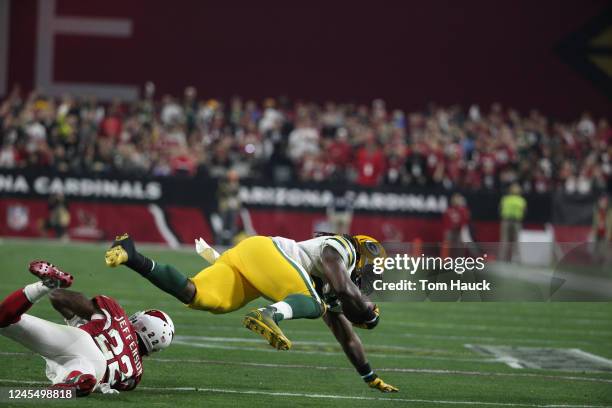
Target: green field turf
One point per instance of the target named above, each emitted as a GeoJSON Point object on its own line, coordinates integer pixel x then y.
{"type": "Point", "coordinates": [419, 347]}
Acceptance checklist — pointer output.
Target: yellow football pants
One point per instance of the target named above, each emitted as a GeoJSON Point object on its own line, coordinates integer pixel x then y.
{"type": "Point", "coordinates": [253, 268]}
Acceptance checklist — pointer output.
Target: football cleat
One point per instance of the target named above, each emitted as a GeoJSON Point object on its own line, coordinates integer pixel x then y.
{"type": "Point", "coordinates": [50, 275]}
{"type": "Point", "coordinates": [121, 251]}
{"type": "Point", "coordinates": [261, 321]}
{"type": "Point", "coordinates": [83, 384]}
{"type": "Point", "coordinates": [382, 386]}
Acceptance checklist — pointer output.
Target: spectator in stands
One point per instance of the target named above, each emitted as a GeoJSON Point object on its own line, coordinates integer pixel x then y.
{"type": "Point", "coordinates": [512, 211]}
{"type": "Point", "coordinates": [303, 140]}
{"type": "Point", "coordinates": [370, 162]}
{"type": "Point", "coordinates": [370, 145]}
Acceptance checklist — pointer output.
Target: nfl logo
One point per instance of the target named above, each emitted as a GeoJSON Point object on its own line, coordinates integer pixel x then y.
{"type": "Point", "coordinates": [17, 217]}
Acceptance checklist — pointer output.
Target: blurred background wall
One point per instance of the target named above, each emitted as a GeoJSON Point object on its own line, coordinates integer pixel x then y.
{"type": "Point", "coordinates": [408, 53]}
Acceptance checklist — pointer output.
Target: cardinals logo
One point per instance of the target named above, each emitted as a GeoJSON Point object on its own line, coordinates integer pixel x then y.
{"type": "Point", "coordinates": [17, 217]}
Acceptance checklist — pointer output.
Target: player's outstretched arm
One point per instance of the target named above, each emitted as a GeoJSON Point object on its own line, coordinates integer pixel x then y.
{"type": "Point", "coordinates": [347, 291]}
{"type": "Point", "coordinates": [70, 304]}
{"type": "Point", "coordinates": [353, 348]}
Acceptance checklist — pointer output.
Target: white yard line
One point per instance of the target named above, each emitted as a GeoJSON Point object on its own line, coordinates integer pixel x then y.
{"type": "Point", "coordinates": [220, 343]}
{"type": "Point", "coordinates": [217, 346]}
{"type": "Point", "coordinates": [388, 369]}
{"type": "Point", "coordinates": [393, 369]}
{"type": "Point", "coordinates": [493, 339]}
{"type": "Point", "coordinates": [357, 398]}
{"type": "Point", "coordinates": [333, 396]}
{"type": "Point", "coordinates": [511, 328]}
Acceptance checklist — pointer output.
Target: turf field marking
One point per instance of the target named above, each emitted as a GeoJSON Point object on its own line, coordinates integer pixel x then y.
{"type": "Point", "coordinates": [213, 343]}
{"type": "Point", "coordinates": [329, 353]}
{"type": "Point", "coordinates": [565, 359]}
{"type": "Point", "coordinates": [333, 396]}
{"type": "Point", "coordinates": [388, 369]}
{"type": "Point", "coordinates": [511, 328]}
{"type": "Point", "coordinates": [353, 397]}
{"type": "Point", "coordinates": [491, 338]}
{"type": "Point", "coordinates": [472, 309]}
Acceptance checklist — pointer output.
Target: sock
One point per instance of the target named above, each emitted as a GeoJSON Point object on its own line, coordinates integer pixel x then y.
{"type": "Point", "coordinates": [301, 307]}
{"type": "Point", "coordinates": [140, 264]}
{"type": "Point", "coordinates": [366, 372]}
{"type": "Point", "coordinates": [13, 306]}
{"type": "Point", "coordinates": [35, 291]}
{"type": "Point", "coordinates": [168, 279]}
{"type": "Point", "coordinates": [283, 311]}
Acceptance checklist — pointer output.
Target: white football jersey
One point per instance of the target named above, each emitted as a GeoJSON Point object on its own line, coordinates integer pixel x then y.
{"type": "Point", "coordinates": [307, 253]}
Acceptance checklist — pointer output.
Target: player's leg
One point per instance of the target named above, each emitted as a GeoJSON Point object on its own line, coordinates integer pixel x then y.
{"type": "Point", "coordinates": [221, 288]}
{"type": "Point", "coordinates": [58, 344]}
{"type": "Point", "coordinates": [165, 277]}
{"type": "Point", "coordinates": [277, 277]}
{"type": "Point", "coordinates": [20, 301]}
{"type": "Point", "coordinates": [73, 359]}
{"type": "Point", "coordinates": [218, 288]}
{"type": "Point", "coordinates": [36, 334]}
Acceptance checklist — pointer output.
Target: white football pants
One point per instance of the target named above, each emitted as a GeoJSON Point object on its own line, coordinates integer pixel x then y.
{"type": "Point", "coordinates": [64, 348]}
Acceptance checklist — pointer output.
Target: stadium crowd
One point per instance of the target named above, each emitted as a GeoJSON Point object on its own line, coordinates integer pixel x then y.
{"type": "Point", "coordinates": [368, 145]}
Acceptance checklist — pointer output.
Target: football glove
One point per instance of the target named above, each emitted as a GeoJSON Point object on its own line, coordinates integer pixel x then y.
{"type": "Point", "coordinates": [382, 386]}
{"type": "Point", "coordinates": [370, 324]}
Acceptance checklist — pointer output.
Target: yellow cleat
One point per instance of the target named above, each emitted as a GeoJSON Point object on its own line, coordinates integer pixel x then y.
{"type": "Point", "coordinates": [382, 386]}
{"type": "Point", "coordinates": [120, 252]}
{"type": "Point", "coordinates": [262, 323]}
{"type": "Point", "coordinates": [115, 256]}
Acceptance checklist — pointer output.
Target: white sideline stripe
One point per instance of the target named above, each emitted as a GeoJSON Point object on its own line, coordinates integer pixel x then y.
{"type": "Point", "coordinates": [434, 358]}
{"type": "Point", "coordinates": [493, 339]}
{"type": "Point", "coordinates": [334, 396]}
{"type": "Point", "coordinates": [297, 342]}
{"type": "Point", "coordinates": [511, 328]}
{"type": "Point", "coordinates": [352, 397]}
{"type": "Point", "coordinates": [216, 346]}
{"type": "Point", "coordinates": [205, 339]}
{"type": "Point", "coordinates": [162, 226]}
{"type": "Point", "coordinates": [389, 369]}
{"type": "Point", "coordinates": [392, 369]}
{"type": "Point", "coordinates": [397, 370]}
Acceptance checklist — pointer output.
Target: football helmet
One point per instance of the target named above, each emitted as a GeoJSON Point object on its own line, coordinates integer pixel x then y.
{"type": "Point", "coordinates": [155, 329]}
{"type": "Point", "coordinates": [367, 249]}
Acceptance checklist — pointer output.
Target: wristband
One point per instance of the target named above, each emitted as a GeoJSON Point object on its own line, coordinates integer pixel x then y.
{"type": "Point", "coordinates": [366, 372]}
